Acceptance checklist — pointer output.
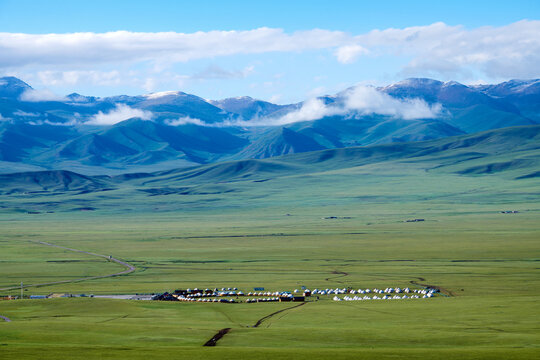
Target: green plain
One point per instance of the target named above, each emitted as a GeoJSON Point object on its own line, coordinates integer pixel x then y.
{"type": "Point", "coordinates": [273, 234]}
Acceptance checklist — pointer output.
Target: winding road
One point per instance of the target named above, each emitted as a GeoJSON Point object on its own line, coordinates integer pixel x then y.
{"type": "Point", "coordinates": [260, 321]}
{"type": "Point", "coordinates": [221, 333]}
{"type": "Point", "coordinates": [129, 268]}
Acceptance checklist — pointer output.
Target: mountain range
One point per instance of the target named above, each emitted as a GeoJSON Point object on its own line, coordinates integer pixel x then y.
{"type": "Point", "coordinates": [160, 131]}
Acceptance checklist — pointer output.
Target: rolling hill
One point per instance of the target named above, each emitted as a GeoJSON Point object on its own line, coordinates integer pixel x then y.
{"type": "Point", "coordinates": [513, 153]}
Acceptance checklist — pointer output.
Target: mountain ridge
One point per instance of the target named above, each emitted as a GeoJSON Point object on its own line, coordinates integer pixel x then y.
{"type": "Point", "coordinates": [170, 129]}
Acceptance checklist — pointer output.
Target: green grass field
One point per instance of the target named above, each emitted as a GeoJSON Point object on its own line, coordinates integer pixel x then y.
{"type": "Point", "coordinates": [240, 236]}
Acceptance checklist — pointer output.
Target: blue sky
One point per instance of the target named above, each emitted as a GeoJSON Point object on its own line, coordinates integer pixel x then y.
{"type": "Point", "coordinates": [468, 41]}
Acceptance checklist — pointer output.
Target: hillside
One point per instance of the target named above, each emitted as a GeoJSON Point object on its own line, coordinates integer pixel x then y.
{"type": "Point", "coordinates": [50, 181]}
{"type": "Point", "coordinates": [513, 153]}
{"type": "Point", "coordinates": [453, 154]}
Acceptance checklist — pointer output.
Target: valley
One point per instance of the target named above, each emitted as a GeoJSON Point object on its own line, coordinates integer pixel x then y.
{"type": "Point", "coordinates": [298, 220]}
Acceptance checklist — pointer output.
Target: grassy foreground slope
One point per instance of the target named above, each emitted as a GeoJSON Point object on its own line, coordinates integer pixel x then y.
{"type": "Point", "coordinates": [261, 223]}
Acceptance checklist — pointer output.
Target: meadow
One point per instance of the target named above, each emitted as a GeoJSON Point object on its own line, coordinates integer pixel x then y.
{"type": "Point", "coordinates": [276, 234]}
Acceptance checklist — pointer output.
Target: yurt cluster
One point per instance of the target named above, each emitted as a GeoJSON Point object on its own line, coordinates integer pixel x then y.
{"type": "Point", "coordinates": [233, 295]}
{"type": "Point", "coordinates": [386, 294]}
{"type": "Point", "coordinates": [227, 295]}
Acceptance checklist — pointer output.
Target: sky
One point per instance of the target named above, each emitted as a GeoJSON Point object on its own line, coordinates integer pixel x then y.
{"type": "Point", "coordinates": [280, 51]}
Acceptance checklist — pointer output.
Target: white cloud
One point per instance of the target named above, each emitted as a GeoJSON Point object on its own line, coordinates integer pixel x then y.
{"type": "Point", "coordinates": [511, 50]}
{"type": "Point", "coordinates": [164, 47]}
{"type": "Point", "coordinates": [312, 109]}
{"type": "Point", "coordinates": [184, 121]}
{"type": "Point", "coordinates": [70, 78]}
{"type": "Point", "coordinates": [33, 95]}
{"type": "Point", "coordinates": [120, 113]}
{"type": "Point", "coordinates": [357, 101]}
{"type": "Point", "coordinates": [368, 100]}
{"type": "Point", "coordinates": [161, 94]}
{"type": "Point", "coordinates": [26, 114]}
{"type": "Point", "coordinates": [500, 52]}
{"type": "Point", "coordinates": [47, 122]}
{"type": "Point", "coordinates": [349, 53]}
{"type": "Point", "coordinates": [143, 60]}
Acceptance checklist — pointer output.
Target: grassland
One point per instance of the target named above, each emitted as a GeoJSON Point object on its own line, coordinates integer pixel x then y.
{"type": "Point", "coordinates": [272, 234]}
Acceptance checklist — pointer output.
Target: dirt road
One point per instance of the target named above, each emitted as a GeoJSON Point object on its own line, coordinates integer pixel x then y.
{"type": "Point", "coordinates": [129, 268]}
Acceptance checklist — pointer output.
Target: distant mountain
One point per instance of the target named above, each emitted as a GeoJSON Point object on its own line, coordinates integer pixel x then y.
{"type": "Point", "coordinates": [186, 130]}
{"type": "Point", "coordinates": [171, 105]}
{"type": "Point", "coordinates": [247, 107]}
{"type": "Point", "coordinates": [467, 108]}
{"type": "Point", "coordinates": [524, 94]}
{"type": "Point", "coordinates": [12, 88]}
{"type": "Point", "coordinates": [512, 87]}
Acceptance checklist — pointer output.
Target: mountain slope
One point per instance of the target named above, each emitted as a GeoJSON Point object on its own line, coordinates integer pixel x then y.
{"type": "Point", "coordinates": [513, 153]}
{"type": "Point", "coordinates": [453, 154]}
{"type": "Point", "coordinates": [144, 142]}
{"type": "Point", "coordinates": [276, 142]}
{"type": "Point", "coordinates": [51, 181]}
{"type": "Point", "coordinates": [19, 140]}
{"type": "Point", "coordinates": [524, 94]}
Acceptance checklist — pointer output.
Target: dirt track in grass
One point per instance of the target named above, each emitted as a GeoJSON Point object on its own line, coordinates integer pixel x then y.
{"type": "Point", "coordinates": [221, 333]}
{"type": "Point", "coordinates": [129, 268]}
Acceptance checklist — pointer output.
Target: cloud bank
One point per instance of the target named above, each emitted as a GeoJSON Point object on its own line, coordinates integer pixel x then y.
{"type": "Point", "coordinates": [367, 100]}
{"type": "Point", "coordinates": [312, 109]}
{"type": "Point", "coordinates": [89, 48]}
{"type": "Point", "coordinates": [120, 113]}
{"type": "Point", "coordinates": [511, 50]}
{"type": "Point", "coordinates": [358, 101]}
{"type": "Point", "coordinates": [355, 102]}
{"type": "Point", "coordinates": [500, 52]}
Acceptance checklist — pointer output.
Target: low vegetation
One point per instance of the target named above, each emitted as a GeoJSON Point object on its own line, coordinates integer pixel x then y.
{"type": "Point", "coordinates": [290, 223]}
